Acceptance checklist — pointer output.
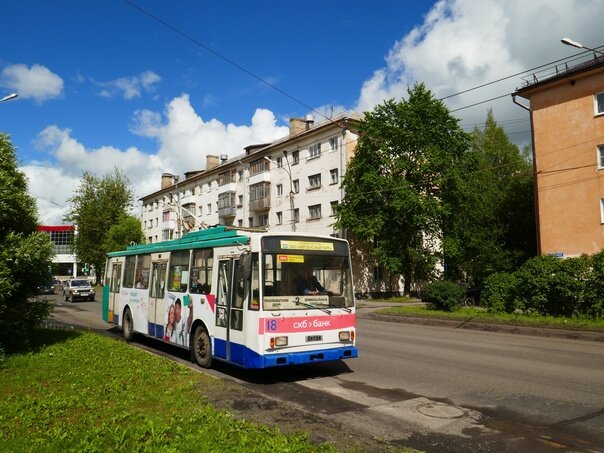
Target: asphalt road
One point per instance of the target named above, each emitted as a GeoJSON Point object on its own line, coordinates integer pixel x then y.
{"type": "Point", "coordinates": [438, 388]}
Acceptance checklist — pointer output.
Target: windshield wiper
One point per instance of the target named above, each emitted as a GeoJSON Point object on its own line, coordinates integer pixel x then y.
{"type": "Point", "coordinates": [297, 302]}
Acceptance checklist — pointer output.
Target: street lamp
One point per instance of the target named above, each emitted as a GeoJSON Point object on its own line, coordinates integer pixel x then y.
{"type": "Point", "coordinates": [9, 97]}
{"type": "Point", "coordinates": [570, 42]}
{"type": "Point", "coordinates": [288, 170]}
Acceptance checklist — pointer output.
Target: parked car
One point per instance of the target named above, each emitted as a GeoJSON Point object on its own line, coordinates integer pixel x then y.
{"type": "Point", "coordinates": [47, 288]}
{"type": "Point", "coordinates": [78, 289]}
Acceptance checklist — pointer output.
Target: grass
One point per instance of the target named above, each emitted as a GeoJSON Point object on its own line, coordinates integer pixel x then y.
{"type": "Point", "coordinates": [516, 319]}
{"type": "Point", "coordinates": [82, 392]}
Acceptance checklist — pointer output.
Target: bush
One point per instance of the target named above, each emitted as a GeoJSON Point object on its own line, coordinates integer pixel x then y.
{"type": "Point", "coordinates": [592, 303]}
{"type": "Point", "coordinates": [444, 295]}
{"type": "Point", "coordinates": [535, 279]}
{"type": "Point", "coordinates": [499, 294]}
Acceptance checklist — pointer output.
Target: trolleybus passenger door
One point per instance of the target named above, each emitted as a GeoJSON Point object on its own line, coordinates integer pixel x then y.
{"type": "Point", "coordinates": [157, 288]}
{"type": "Point", "coordinates": [229, 341]}
{"type": "Point", "coordinates": [114, 292]}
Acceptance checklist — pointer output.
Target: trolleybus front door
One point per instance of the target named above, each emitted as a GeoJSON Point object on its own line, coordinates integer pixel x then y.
{"type": "Point", "coordinates": [229, 340]}
{"type": "Point", "coordinates": [155, 310]}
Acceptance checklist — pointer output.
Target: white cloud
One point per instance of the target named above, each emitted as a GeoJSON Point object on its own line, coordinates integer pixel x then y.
{"type": "Point", "coordinates": [463, 43]}
{"type": "Point", "coordinates": [184, 140]}
{"type": "Point", "coordinates": [130, 87]}
{"type": "Point", "coordinates": [37, 83]}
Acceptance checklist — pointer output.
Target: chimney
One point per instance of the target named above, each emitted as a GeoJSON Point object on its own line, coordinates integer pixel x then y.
{"type": "Point", "coordinates": [212, 161]}
{"type": "Point", "coordinates": [296, 125]}
{"type": "Point", "coordinates": [167, 179]}
{"type": "Point", "coordinates": [309, 120]}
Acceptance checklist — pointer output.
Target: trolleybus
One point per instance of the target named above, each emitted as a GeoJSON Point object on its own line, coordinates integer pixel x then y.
{"type": "Point", "coordinates": [253, 299]}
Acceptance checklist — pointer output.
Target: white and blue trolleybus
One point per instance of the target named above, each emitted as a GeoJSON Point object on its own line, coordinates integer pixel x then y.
{"type": "Point", "coordinates": [253, 299]}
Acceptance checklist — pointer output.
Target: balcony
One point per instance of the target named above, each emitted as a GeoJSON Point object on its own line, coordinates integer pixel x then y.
{"type": "Point", "coordinates": [228, 211]}
{"type": "Point", "coordinates": [260, 204]}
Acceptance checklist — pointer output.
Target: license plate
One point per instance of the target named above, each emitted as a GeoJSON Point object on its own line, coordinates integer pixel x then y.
{"type": "Point", "coordinates": [314, 338]}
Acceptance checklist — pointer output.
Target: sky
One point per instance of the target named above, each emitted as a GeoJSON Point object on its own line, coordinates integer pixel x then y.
{"type": "Point", "coordinates": [151, 86]}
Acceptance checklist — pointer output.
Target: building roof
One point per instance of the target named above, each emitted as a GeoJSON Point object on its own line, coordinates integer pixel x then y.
{"type": "Point", "coordinates": [343, 120]}
{"type": "Point", "coordinates": [560, 72]}
{"type": "Point", "coordinates": [49, 228]}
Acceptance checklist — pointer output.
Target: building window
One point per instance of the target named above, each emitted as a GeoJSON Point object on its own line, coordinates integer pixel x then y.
{"type": "Point", "coordinates": [166, 235]}
{"type": "Point", "coordinates": [602, 210]}
{"type": "Point", "coordinates": [314, 150]}
{"type": "Point", "coordinates": [240, 222]}
{"type": "Point", "coordinates": [314, 212]}
{"type": "Point", "coordinates": [296, 215]}
{"type": "Point", "coordinates": [334, 208]}
{"type": "Point", "coordinates": [166, 216]}
{"type": "Point", "coordinates": [295, 157]}
{"type": "Point", "coordinates": [260, 191]}
{"type": "Point", "coordinates": [263, 220]}
{"type": "Point", "coordinates": [240, 173]}
{"type": "Point", "coordinates": [201, 210]}
{"type": "Point", "coordinates": [209, 210]}
{"type": "Point", "coordinates": [314, 181]}
{"type": "Point", "coordinates": [279, 161]}
{"type": "Point", "coordinates": [240, 201]}
{"type": "Point", "coordinates": [599, 98]}
{"type": "Point", "coordinates": [226, 200]}
{"type": "Point", "coordinates": [250, 222]}
{"type": "Point", "coordinates": [279, 218]}
{"type": "Point", "coordinates": [333, 176]}
{"type": "Point", "coordinates": [296, 185]}
{"type": "Point", "coordinates": [333, 143]}
{"type": "Point", "coordinates": [258, 166]}
{"type": "Point", "coordinates": [378, 273]}
{"type": "Point", "coordinates": [226, 177]}
{"type": "Point", "coordinates": [279, 190]}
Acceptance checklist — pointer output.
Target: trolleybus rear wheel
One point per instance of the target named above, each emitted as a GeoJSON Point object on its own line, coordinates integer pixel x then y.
{"type": "Point", "coordinates": [202, 347]}
{"type": "Point", "coordinates": [127, 327]}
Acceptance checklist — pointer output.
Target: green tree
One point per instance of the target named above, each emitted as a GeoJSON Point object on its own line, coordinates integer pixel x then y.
{"type": "Point", "coordinates": [98, 203]}
{"type": "Point", "coordinates": [492, 225]}
{"type": "Point", "coordinates": [25, 255]}
{"type": "Point", "coordinates": [124, 232]}
{"type": "Point", "coordinates": [402, 166]}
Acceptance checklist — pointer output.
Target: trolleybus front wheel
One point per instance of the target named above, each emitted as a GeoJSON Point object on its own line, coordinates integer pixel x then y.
{"type": "Point", "coordinates": [202, 347]}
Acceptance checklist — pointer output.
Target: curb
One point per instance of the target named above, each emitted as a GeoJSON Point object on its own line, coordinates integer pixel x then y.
{"type": "Point", "coordinates": [471, 325]}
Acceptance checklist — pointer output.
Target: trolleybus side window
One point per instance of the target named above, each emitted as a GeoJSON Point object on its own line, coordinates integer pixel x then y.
{"type": "Point", "coordinates": [179, 271]}
{"type": "Point", "coordinates": [201, 271]}
{"type": "Point", "coordinates": [129, 271]}
{"type": "Point", "coordinates": [143, 266]}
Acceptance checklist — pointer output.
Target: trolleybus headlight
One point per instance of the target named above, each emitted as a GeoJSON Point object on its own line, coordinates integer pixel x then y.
{"type": "Point", "coordinates": [278, 341]}
{"type": "Point", "coordinates": [344, 335]}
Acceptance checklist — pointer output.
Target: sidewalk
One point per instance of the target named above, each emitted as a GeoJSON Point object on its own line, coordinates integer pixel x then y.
{"type": "Point", "coordinates": [367, 309]}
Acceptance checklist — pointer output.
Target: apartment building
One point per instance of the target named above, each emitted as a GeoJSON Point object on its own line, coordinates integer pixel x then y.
{"type": "Point", "coordinates": [567, 115]}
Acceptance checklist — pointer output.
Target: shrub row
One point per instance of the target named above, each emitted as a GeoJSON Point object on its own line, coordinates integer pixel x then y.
{"type": "Point", "coordinates": [550, 286]}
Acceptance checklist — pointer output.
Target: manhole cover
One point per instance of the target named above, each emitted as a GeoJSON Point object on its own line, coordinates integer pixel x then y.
{"type": "Point", "coordinates": [440, 410]}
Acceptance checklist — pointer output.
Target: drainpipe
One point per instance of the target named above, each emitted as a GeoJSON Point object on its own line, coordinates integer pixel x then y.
{"type": "Point", "coordinates": [536, 181]}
